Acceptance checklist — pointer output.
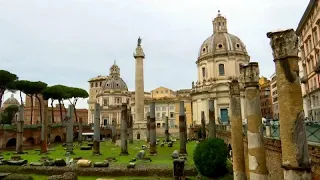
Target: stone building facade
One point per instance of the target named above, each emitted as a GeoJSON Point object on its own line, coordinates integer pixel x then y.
{"type": "Point", "coordinates": [308, 31]}
{"type": "Point", "coordinates": [110, 92]}
{"type": "Point", "coordinates": [274, 96]}
{"type": "Point", "coordinates": [265, 98]}
{"type": "Point", "coordinates": [219, 60]}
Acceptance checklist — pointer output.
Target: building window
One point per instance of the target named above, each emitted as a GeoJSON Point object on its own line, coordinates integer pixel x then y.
{"type": "Point", "coordinates": [163, 115]}
{"type": "Point", "coordinates": [91, 84]}
{"type": "Point", "coordinates": [164, 108]}
{"type": "Point", "coordinates": [315, 36]}
{"type": "Point", "coordinates": [240, 65]}
{"type": "Point", "coordinates": [157, 92]}
{"type": "Point", "coordinates": [203, 72]}
{"type": "Point", "coordinates": [171, 114]}
{"type": "Point", "coordinates": [166, 91]}
{"type": "Point", "coordinates": [171, 107]}
{"type": "Point", "coordinates": [221, 69]}
{"type": "Point", "coordinates": [158, 109]}
{"type": "Point", "coordinates": [100, 83]}
{"type": "Point", "coordinates": [158, 125]}
{"type": "Point", "coordinates": [96, 84]}
{"type": "Point", "coordinates": [106, 102]}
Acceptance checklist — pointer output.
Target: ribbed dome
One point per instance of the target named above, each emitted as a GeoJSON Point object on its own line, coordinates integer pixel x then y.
{"type": "Point", "coordinates": [114, 81]}
{"type": "Point", "coordinates": [11, 101]}
{"type": "Point", "coordinates": [221, 42]}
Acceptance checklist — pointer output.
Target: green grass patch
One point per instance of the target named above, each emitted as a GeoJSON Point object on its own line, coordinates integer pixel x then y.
{"type": "Point", "coordinates": [109, 149]}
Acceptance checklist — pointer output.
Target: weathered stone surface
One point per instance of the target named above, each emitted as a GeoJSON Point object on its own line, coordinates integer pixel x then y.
{"type": "Point", "coordinates": [16, 158]}
{"type": "Point", "coordinates": [48, 163]}
{"type": "Point", "coordinates": [131, 165]}
{"type": "Point", "coordinates": [36, 164]}
{"type": "Point", "coordinates": [65, 176]}
{"type": "Point", "coordinates": [140, 154]}
{"type": "Point", "coordinates": [143, 147]}
{"type": "Point", "coordinates": [84, 163]}
{"type": "Point", "coordinates": [17, 163]}
{"type": "Point", "coordinates": [60, 162]}
{"type": "Point", "coordinates": [175, 154]}
{"type": "Point", "coordinates": [170, 144]}
{"type": "Point", "coordinates": [101, 164]}
{"type": "Point", "coordinates": [18, 177]}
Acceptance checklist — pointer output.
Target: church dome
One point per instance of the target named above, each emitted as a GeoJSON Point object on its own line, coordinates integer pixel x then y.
{"type": "Point", "coordinates": [11, 101]}
{"type": "Point", "coordinates": [114, 81]}
{"type": "Point", "coordinates": [221, 42]}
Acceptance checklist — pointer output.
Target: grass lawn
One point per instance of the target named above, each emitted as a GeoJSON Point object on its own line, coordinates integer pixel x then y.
{"type": "Point", "coordinates": [111, 150]}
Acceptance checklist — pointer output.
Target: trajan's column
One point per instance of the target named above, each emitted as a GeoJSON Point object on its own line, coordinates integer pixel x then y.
{"type": "Point", "coordinates": [139, 94]}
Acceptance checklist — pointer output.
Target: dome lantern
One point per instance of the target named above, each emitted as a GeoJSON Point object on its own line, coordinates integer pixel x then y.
{"type": "Point", "coordinates": [219, 24]}
{"type": "Point", "coordinates": [114, 70]}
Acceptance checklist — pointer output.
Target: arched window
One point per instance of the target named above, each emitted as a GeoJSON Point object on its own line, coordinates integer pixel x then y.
{"type": "Point", "coordinates": [203, 72]}
{"type": "Point", "coordinates": [221, 70]}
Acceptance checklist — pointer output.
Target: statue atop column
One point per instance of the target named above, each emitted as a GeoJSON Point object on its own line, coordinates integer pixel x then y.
{"type": "Point", "coordinates": [139, 41]}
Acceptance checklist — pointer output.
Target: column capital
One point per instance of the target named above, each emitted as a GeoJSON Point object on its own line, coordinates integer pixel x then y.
{"type": "Point", "coordinates": [284, 43]}
{"type": "Point", "coordinates": [234, 87]}
{"type": "Point", "coordinates": [251, 74]}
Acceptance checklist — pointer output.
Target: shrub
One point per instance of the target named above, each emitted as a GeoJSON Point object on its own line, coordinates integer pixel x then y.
{"type": "Point", "coordinates": [210, 157]}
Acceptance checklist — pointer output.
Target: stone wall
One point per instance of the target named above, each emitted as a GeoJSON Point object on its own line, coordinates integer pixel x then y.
{"type": "Point", "coordinates": [274, 158]}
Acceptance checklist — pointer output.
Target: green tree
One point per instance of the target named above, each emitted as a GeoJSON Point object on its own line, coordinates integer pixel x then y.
{"type": "Point", "coordinates": [75, 94]}
{"type": "Point", "coordinates": [61, 93]}
{"type": "Point", "coordinates": [9, 114]}
{"type": "Point", "coordinates": [6, 82]}
{"type": "Point", "coordinates": [210, 157]}
{"type": "Point", "coordinates": [37, 88]}
{"type": "Point", "coordinates": [24, 87]}
{"type": "Point", "coordinates": [53, 93]}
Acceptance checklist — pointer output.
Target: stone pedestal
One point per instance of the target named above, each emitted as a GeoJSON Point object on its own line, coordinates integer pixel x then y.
{"type": "Point", "coordinates": [212, 122]}
{"type": "Point", "coordinates": [153, 145]}
{"type": "Point", "coordinates": [96, 130]}
{"type": "Point", "coordinates": [236, 132]}
{"type": "Point", "coordinates": [256, 150]}
{"type": "Point", "coordinates": [294, 146]}
{"type": "Point", "coordinates": [182, 130]}
{"type": "Point", "coordinates": [20, 124]}
{"type": "Point", "coordinates": [69, 140]}
{"type": "Point", "coordinates": [178, 169]}
{"type": "Point", "coordinates": [124, 131]}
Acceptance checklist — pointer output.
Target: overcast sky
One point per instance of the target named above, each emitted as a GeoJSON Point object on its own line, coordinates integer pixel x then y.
{"type": "Point", "coordinates": [69, 41]}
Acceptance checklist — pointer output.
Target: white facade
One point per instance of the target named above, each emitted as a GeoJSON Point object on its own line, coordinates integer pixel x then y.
{"type": "Point", "coordinates": [274, 96]}
{"type": "Point", "coordinates": [219, 61]}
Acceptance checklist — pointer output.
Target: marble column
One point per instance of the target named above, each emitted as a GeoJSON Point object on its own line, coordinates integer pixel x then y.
{"type": "Point", "coordinates": [294, 143]}
{"type": "Point", "coordinates": [212, 122]}
{"type": "Point", "coordinates": [44, 129]}
{"type": "Point", "coordinates": [124, 131]}
{"type": "Point", "coordinates": [130, 130]}
{"type": "Point", "coordinates": [203, 125]}
{"type": "Point", "coordinates": [20, 124]}
{"type": "Point", "coordinates": [166, 132]}
{"type": "Point", "coordinates": [153, 145]}
{"type": "Point", "coordinates": [236, 132]}
{"type": "Point", "coordinates": [182, 129]}
{"type": "Point", "coordinates": [114, 130]}
{"type": "Point", "coordinates": [139, 83]}
{"type": "Point", "coordinates": [69, 140]}
{"type": "Point", "coordinates": [80, 131]}
{"type": "Point", "coordinates": [256, 151]}
{"type": "Point", "coordinates": [96, 130]}
{"type": "Point", "coordinates": [148, 127]}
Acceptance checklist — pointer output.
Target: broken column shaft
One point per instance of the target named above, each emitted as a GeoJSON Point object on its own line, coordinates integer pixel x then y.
{"type": "Point", "coordinates": [69, 140]}
{"type": "Point", "coordinates": [212, 122]}
{"type": "Point", "coordinates": [96, 129]}
{"type": "Point", "coordinates": [294, 144]}
{"type": "Point", "coordinates": [203, 125]}
{"type": "Point", "coordinates": [166, 132]}
{"type": "Point", "coordinates": [153, 145]}
{"type": "Point", "coordinates": [114, 130]}
{"type": "Point", "coordinates": [256, 150]}
{"type": "Point", "coordinates": [20, 124]}
{"type": "Point", "coordinates": [148, 127]}
{"type": "Point", "coordinates": [182, 129]}
{"type": "Point", "coordinates": [236, 132]}
{"type": "Point", "coordinates": [44, 129]}
{"type": "Point", "coordinates": [124, 130]}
